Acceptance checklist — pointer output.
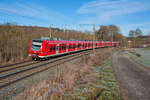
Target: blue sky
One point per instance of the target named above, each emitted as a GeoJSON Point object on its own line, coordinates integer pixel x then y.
{"type": "Point", "coordinates": [127, 14]}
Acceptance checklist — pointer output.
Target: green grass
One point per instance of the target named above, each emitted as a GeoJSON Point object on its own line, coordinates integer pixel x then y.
{"type": "Point", "coordinates": [145, 55]}
{"type": "Point", "coordinates": [106, 86]}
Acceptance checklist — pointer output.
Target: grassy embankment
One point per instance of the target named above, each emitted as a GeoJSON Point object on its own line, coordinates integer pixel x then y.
{"type": "Point", "coordinates": [90, 79]}
{"type": "Point", "coordinates": [140, 54]}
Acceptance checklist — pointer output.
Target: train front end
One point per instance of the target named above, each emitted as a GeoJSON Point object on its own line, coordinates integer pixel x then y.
{"type": "Point", "coordinates": [35, 48]}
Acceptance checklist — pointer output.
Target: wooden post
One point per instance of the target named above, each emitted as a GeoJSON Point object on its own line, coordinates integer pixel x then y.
{"type": "Point", "coordinates": [50, 35]}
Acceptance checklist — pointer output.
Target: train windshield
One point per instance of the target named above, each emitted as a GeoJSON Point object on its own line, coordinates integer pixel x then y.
{"type": "Point", "coordinates": [36, 45]}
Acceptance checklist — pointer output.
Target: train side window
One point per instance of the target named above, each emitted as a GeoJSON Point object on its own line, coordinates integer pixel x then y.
{"type": "Point", "coordinates": [70, 46]}
{"type": "Point", "coordinates": [54, 49]}
{"type": "Point", "coordinates": [47, 46]}
{"type": "Point", "coordinates": [51, 48]}
{"type": "Point", "coordinates": [57, 48]}
{"type": "Point", "coordinates": [62, 47]}
{"type": "Point", "coordinates": [73, 45]}
{"type": "Point", "coordinates": [65, 47]}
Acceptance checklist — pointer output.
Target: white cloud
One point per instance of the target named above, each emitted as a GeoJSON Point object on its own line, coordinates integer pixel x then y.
{"type": "Point", "coordinates": [105, 10]}
{"type": "Point", "coordinates": [33, 11]}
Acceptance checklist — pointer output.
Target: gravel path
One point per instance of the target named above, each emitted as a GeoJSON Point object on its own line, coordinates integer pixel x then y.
{"type": "Point", "coordinates": [134, 79]}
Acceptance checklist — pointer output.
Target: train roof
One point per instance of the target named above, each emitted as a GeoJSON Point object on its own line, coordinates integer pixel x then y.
{"type": "Point", "coordinates": [71, 41]}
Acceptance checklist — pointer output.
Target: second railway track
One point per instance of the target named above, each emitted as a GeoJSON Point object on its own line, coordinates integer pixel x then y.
{"type": "Point", "coordinates": [11, 75]}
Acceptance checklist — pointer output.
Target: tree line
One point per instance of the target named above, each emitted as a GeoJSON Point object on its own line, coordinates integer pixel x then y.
{"type": "Point", "coordinates": [136, 38]}
{"type": "Point", "coordinates": [110, 33]}
{"type": "Point", "coordinates": [14, 39]}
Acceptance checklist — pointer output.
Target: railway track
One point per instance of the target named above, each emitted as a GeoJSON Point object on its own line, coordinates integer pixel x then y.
{"type": "Point", "coordinates": [12, 74]}
{"type": "Point", "coordinates": [19, 63]}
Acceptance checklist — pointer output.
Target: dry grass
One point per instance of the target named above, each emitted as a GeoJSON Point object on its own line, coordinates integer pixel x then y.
{"type": "Point", "coordinates": [63, 84]}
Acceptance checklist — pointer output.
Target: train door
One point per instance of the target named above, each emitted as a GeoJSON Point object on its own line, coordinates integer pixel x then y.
{"type": "Point", "coordinates": [70, 47]}
{"type": "Point", "coordinates": [60, 48]}
{"type": "Point", "coordinates": [67, 47]}
{"type": "Point", "coordinates": [64, 47]}
{"type": "Point", "coordinates": [46, 49]}
{"type": "Point", "coordinates": [74, 46]}
{"type": "Point", "coordinates": [52, 49]}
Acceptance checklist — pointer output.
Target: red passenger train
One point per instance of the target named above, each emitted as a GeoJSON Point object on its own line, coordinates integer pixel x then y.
{"type": "Point", "coordinates": [40, 48]}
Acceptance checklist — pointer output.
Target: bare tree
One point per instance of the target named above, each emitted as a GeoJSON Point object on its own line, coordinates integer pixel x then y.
{"type": "Point", "coordinates": [138, 32]}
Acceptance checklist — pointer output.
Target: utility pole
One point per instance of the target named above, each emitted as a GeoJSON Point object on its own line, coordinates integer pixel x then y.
{"type": "Point", "coordinates": [93, 38]}
{"type": "Point", "coordinates": [50, 29]}
{"type": "Point", "coordinates": [112, 35]}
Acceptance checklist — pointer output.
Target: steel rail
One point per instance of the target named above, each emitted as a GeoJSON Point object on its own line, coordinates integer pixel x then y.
{"type": "Point", "coordinates": [14, 80]}
{"type": "Point", "coordinates": [9, 65]}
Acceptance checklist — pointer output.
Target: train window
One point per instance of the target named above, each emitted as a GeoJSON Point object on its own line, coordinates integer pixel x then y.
{"type": "Point", "coordinates": [70, 46]}
{"type": "Point", "coordinates": [65, 47]}
{"type": "Point", "coordinates": [62, 47]}
{"type": "Point", "coordinates": [54, 49]}
{"type": "Point", "coordinates": [78, 45]}
{"type": "Point", "coordinates": [47, 46]}
{"type": "Point", "coordinates": [51, 48]}
{"type": "Point", "coordinates": [59, 47]}
{"type": "Point", "coordinates": [74, 46]}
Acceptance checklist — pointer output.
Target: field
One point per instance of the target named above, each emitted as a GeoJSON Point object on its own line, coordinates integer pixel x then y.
{"type": "Point", "coordinates": [141, 54]}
